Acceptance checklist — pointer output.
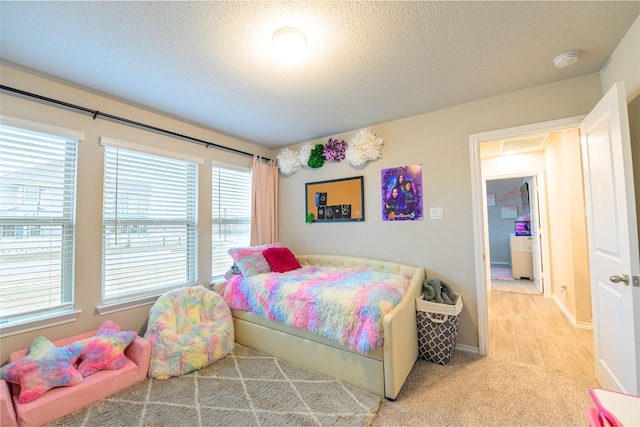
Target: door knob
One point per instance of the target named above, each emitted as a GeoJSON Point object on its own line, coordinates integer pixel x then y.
{"type": "Point", "coordinates": [617, 279]}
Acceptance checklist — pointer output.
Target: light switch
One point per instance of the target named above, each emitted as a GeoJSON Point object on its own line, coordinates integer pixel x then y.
{"type": "Point", "coordinates": [435, 213]}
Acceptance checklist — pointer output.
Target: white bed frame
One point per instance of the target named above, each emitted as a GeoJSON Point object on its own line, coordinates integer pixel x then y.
{"type": "Point", "coordinates": [382, 371]}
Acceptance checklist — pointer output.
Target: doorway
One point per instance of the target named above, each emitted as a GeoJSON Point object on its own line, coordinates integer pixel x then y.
{"type": "Point", "coordinates": [501, 167]}
{"type": "Point", "coordinates": [523, 325]}
{"type": "Point", "coordinates": [513, 235]}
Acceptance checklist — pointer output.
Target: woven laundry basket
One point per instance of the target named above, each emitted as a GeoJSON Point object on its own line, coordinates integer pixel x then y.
{"type": "Point", "coordinates": [437, 329]}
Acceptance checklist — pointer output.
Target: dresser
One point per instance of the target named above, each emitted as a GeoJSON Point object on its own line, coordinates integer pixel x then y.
{"type": "Point", "coordinates": [521, 257]}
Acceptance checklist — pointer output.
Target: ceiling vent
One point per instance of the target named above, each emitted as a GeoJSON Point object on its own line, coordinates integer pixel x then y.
{"type": "Point", "coordinates": [528, 143]}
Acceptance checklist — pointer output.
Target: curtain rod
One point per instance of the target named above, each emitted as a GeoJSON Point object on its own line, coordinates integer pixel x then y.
{"type": "Point", "coordinates": [97, 114]}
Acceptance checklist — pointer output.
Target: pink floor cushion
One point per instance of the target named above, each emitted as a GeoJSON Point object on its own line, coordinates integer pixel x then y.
{"type": "Point", "coordinates": [44, 367]}
{"type": "Point", "coordinates": [188, 328]}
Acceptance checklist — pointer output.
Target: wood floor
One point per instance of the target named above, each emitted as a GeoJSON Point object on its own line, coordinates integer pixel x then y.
{"type": "Point", "coordinates": [520, 286]}
{"type": "Point", "coordinates": [531, 329]}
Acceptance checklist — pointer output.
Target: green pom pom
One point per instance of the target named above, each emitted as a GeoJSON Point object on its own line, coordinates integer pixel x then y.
{"type": "Point", "coordinates": [316, 158]}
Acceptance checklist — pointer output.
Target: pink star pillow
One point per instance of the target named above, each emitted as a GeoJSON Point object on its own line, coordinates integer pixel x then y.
{"type": "Point", "coordinates": [105, 350]}
{"type": "Point", "coordinates": [44, 367]}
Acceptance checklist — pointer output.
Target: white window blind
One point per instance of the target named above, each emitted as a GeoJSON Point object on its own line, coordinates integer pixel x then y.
{"type": "Point", "coordinates": [149, 235]}
{"type": "Point", "coordinates": [37, 220]}
{"type": "Point", "coordinates": [231, 214]}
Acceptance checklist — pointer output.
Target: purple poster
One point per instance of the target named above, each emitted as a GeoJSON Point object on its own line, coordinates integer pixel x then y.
{"type": "Point", "coordinates": [402, 193]}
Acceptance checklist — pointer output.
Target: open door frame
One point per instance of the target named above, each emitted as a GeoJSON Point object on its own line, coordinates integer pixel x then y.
{"type": "Point", "coordinates": [478, 189]}
{"type": "Point", "coordinates": [536, 212]}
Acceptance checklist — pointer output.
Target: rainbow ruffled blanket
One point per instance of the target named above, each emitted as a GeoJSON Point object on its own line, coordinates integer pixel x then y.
{"type": "Point", "coordinates": [342, 304]}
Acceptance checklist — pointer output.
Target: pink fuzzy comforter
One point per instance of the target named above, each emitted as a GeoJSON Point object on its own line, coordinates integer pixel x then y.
{"type": "Point", "coordinates": [342, 304]}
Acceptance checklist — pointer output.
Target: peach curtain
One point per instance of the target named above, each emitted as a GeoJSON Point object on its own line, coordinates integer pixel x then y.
{"type": "Point", "coordinates": [264, 202]}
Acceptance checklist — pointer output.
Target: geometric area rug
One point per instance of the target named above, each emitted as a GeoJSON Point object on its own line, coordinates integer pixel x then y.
{"type": "Point", "coordinates": [245, 388]}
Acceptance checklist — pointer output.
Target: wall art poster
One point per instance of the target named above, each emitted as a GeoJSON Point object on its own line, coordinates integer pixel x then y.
{"type": "Point", "coordinates": [402, 193]}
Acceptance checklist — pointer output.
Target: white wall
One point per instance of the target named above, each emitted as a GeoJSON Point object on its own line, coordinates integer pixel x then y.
{"type": "Point", "coordinates": [440, 142]}
{"type": "Point", "coordinates": [569, 257]}
{"type": "Point", "coordinates": [89, 187]}
{"type": "Point", "coordinates": [624, 64]}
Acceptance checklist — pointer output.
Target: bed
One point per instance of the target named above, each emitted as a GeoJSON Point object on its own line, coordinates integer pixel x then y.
{"type": "Point", "coordinates": [382, 370]}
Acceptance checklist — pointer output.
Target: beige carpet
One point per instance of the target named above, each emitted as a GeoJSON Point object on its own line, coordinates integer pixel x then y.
{"type": "Point", "coordinates": [250, 389]}
{"type": "Point", "coordinates": [245, 388]}
{"type": "Point", "coordinates": [485, 391]}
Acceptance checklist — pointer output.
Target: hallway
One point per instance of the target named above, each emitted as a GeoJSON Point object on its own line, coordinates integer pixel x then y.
{"type": "Point", "coordinates": [531, 329]}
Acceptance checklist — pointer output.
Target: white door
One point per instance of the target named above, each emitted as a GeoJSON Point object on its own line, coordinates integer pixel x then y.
{"type": "Point", "coordinates": [613, 241]}
{"type": "Point", "coordinates": [536, 230]}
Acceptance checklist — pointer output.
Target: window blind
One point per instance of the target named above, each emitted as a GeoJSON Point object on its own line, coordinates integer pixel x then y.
{"type": "Point", "coordinates": [37, 220]}
{"type": "Point", "coordinates": [231, 214]}
{"type": "Point", "coordinates": [149, 236]}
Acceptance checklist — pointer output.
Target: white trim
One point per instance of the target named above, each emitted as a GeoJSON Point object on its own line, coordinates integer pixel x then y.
{"type": "Point", "coordinates": [584, 325]}
{"type": "Point", "coordinates": [564, 309]}
{"type": "Point", "coordinates": [41, 127]}
{"type": "Point", "coordinates": [478, 189]}
{"type": "Point", "coordinates": [114, 307]}
{"type": "Point", "coordinates": [111, 142]}
{"type": "Point", "coordinates": [224, 165]}
{"type": "Point", "coordinates": [40, 323]}
{"type": "Point", "coordinates": [574, 322]}
{"type": "Point", "coordinates": [535, 128]}
{"type": "Point", "coordinates": [467, 348]}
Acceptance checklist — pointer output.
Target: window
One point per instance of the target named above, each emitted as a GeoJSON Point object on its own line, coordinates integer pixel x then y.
{"type": "Point", "coordinates": [37, 220]}
{"type": "Point", "coordinates": [149, 224]}
{"type": "Point", "coordinates": [231, 214]}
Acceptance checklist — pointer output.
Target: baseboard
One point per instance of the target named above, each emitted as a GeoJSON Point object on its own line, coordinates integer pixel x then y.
{"type": "Point", "coordinates": [565, 310]}
{"type": "Point", "coordinates": [501, 264]}
{"type": "Point", "coordinates": [468, 348]}
{"type": "Point", "coordinates": [583, 325]}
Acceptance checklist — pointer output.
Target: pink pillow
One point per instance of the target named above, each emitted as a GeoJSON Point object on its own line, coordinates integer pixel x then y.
{"type": "Point", "coordinates": [44, 367]}
{"type": "Point", "coordinates": [105, 350]}
{"type": "Point", "coordinates": [250, 260]}
{"type": "Point", "coordinates": [281, 259]}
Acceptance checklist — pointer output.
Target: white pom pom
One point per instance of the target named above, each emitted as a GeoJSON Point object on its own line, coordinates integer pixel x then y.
{"type": "Point", "coordinates": [364, 147]}
{"type": "Point", "coordinates": [305, 153]}
{"type": "Point", "coordinates": [354, 155]}
{"type": "Point", "coordinates": [288, 161]}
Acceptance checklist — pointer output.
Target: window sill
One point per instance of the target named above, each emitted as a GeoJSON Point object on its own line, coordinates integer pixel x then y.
{"type": "Point", "coordinates": [114, 307]}
{"type": "Point", "coordinates": [39, 323]}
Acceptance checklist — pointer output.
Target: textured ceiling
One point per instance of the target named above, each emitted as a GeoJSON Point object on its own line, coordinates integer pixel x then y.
{"type": "Point", "coordinates": [209, 63]}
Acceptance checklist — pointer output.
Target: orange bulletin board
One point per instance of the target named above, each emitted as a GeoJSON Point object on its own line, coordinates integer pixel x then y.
{"type": "Point", "coordinates": [336, 200]}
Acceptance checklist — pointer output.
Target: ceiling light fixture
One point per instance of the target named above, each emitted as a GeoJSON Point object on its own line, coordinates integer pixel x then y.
{"type": "Point", "coordinates": [289, 46]}
{"type": "Point", "coordinates": [566, 59]}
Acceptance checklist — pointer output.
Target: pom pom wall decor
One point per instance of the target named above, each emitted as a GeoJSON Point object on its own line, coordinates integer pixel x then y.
{"type": "Point", "coordinates": [365, 147]}
{"type": "Point", "coordinates": [334, 150]}
{"type": "Point", "coordinates": [316, 159]}
{"type": "Point", "coordinates": [288, 161]}
{"type": "Point", "coordinates": [305, 153]}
